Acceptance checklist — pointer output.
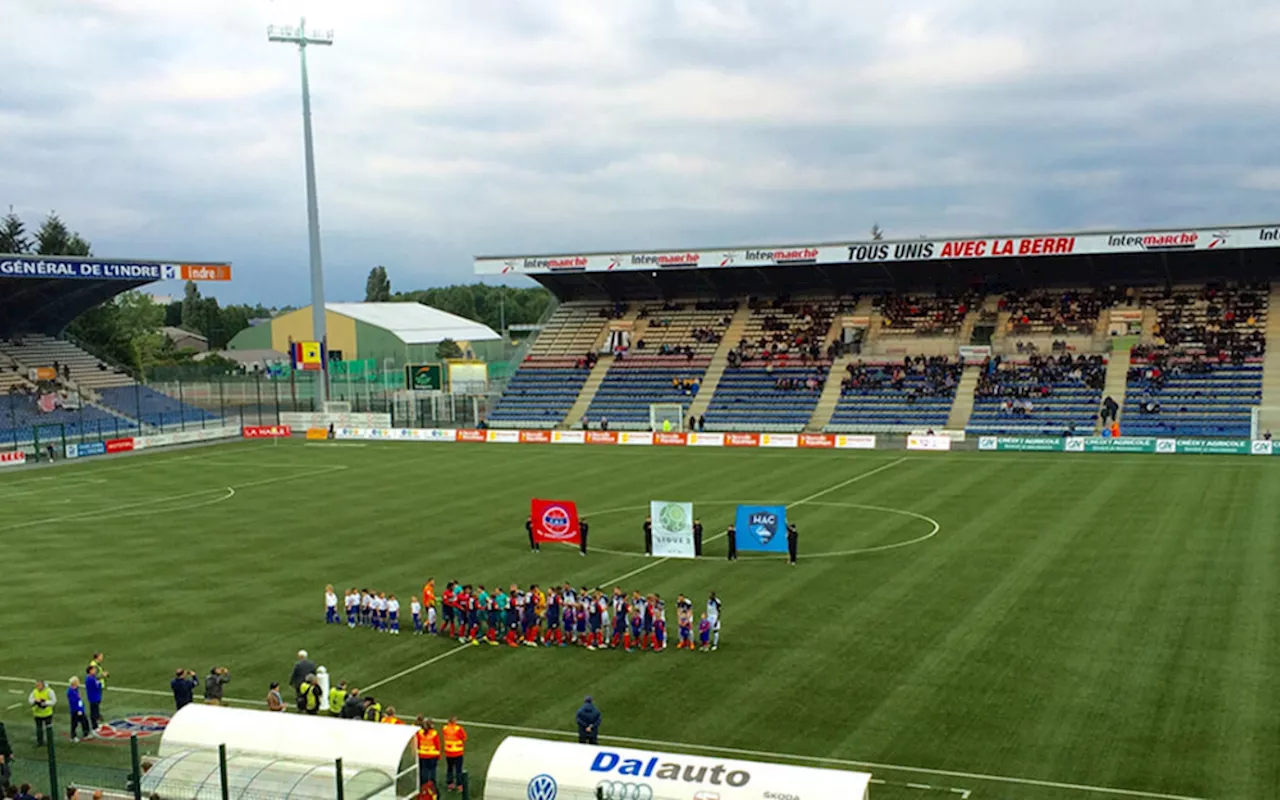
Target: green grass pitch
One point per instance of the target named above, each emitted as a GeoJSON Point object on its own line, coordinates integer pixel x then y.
{"type": "Point", "coordinates": [1077, 620]}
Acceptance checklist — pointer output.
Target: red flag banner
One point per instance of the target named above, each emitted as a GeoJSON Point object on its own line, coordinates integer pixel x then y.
{"type": "Point", "coordinates": [555, 521]}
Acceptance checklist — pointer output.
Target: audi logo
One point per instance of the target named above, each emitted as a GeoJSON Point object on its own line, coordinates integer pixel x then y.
{"type": "Point", "coordinates": [618, 790]}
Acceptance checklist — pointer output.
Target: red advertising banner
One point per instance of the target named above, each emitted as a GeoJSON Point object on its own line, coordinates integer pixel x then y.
{"type": "Point", "coordinates": [471, 435]}
{"type": "Point", "coordinates": [119, 445]}
{"type": "Point", "coordinates": [817, 440]}
{"type": "Point", "coordinates": [535, 437]}
{"type": "Point", "coordinates": [670, 439]}
{"type": "Point", "coordinates": [258, 432]}
{"type": "Point", "coordinates": [555, 521]}
{"type": "Point", "coordinates": [602, 437]}
{"type": "Point", "coordinates": [13, 459]}
{"type": "Point", "coordinates": [742, 440]}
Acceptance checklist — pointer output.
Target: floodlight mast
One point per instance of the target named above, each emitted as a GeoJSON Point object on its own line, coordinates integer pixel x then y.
{"type": "Point", "coordinates": [302, 38]}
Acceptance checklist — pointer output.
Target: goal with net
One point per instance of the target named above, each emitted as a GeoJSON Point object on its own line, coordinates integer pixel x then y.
{"type": "Point", "coordinates": [666, 417]}
{"type": "Point", "coordinates": [1263, 420]}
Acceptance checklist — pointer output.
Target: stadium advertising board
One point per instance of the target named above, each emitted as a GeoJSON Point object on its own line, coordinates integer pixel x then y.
{"type": "Point", "coordinates": [672, 529]}
{"type": "Point", "coordinates": [951, 249]}
{"type": "Point", "coordinates": [122, 445]}
{"type": "Point", "coordinates": [568, 437]}
{"type": "Point", "coordinates": [635, 437]}
{"type": "Point", "coordinates": [1022, 443]}
{"type": "Point", "coordinates": [779, 440]}
{"type": "Point", "coordinates": [670, 439]}
{"type": "Point", "coordinates": [601, 437]}
{"type": "Point", "coordinates": [1103, 444]}
{"type": "Point", "coordinates": [472, 435]}
{"type": "Point", "coordinates": [320, 419]}
{"type": "Point", "coordinates": [927, 442]}
{"type": "Point", "coordinates": [502, 435]}
{"type": "Point", "coordinates": [855, 442]}
{"type": "Point", "coordinates": [535, 437]}
{"type": "Point", "coordinates": [267, 431]}
{"type": "Point", "coordinates": [98, 269]}
{"type": "Point", "coordinates": [1214, 446]}
{"type": "Point", "coordinates": [537, 769]}
{"type": "Point", "coordinates": [761, 529]}
{"type": "Point", "coordinates": [706, 439]}
{"type": "Point", "coordinates": [317, 434]}
{"type": "Point", "coordinates": [13, 459]}
{"type": "Point", "coordinates": [424, 377]}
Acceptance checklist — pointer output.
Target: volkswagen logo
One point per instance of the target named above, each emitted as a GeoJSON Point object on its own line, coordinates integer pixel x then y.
{"type": "Point", "coordinates": [619, 790]}
{"type": "Point", "coordinates": [541, 787]}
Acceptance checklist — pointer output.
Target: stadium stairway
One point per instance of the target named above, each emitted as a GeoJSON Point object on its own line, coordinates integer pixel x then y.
{"type": "Point", "coordinates": [715, 371]}
{"type": "Point", "coordinates": [830, 396]}
{"type": "Point", "coordinates": [962, 407]}
{"type": "Point", "coordinates": [1271, 365]}
{"type": "Point", "coordinates": [588, 393]}
{"type": "Point", "coordinates": [1118, 363]}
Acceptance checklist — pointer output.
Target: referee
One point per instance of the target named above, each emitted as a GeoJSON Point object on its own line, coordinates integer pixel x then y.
{"type": "Point", "coordinates": [793, 540]}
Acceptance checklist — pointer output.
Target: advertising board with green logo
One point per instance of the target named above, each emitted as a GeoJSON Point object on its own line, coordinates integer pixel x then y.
{"type": "Point", "coordinates": [672, 529]}
{"type": "Point", "coordinates": [424, 377]}
{"type": "Point", "coordinates": [1021, 443]}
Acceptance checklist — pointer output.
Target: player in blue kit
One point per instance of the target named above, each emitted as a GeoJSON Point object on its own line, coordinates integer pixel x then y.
{"type": "Point", "coordinates": [501, 605]}
{"type": "Point", "coordinates": [704, 633]}
{"type": "Point", "coordinates": [619, 603]}
{"type": "Point", "coordinates": [646, 633]}
{"type": "Point", "coordinates": [659, 624]}
{"type": "Point", "coordinates": [595, 607]}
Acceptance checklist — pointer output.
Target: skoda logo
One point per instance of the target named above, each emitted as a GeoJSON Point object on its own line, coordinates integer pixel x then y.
{"type": "Point", "coordinates": [619, 790]}
{"type": "Point", "coordinates": [541, 787]}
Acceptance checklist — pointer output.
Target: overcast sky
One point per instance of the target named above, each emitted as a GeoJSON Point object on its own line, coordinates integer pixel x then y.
{"type": "Point", "coordinates": [450, 128]}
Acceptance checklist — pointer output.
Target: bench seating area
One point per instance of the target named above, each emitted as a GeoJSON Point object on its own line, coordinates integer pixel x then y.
{"type": "Point", "coordinates": [1046, 396]}
{"type": "Point", "coordinates": [87, 371]}
{"type": "Point", "coordinates": [151, 407]}
{"type": "Point", "coordinates": [1055, 312]}
{"type": "Point", "coordinates": [777, 396]}
{"type": "Point", "coordinates": [573, 329]}
{"type": "Point", "coordinates": [894, 396]}
{"type": "Point", "coordinates": [540, 393]}
{"type": "Point", "coordinates": [636, 381]}
{"type": "Point", "coordinates": [21, 420]}
{"type": "Point", "coordinates": [1188, 395]}
{"type": "Point", "coordinates": [667, 327]}
{"type": "Point", "coordinates": [924, 315]}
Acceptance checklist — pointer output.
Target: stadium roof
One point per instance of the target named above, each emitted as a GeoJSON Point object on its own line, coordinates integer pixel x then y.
{"type": "Point", "coordinates": [1134, 257]}
{"type": "Point", "coordinates": [414, 323]}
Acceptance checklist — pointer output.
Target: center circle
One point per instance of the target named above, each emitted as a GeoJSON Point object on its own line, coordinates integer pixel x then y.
{"type": "Point", "coordinates": [934, 527]}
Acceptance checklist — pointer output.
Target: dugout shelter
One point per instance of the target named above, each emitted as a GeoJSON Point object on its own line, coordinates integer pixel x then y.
{"type": "Point", "coordinates": [281, 755]}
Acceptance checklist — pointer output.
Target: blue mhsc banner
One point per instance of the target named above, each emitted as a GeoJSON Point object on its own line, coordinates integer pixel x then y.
{"type": "Point", "coordinates": [86, 269]}
{"type": "Point", "coordinates": [761, 528]}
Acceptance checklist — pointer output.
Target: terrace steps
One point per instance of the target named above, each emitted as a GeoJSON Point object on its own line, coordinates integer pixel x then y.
{"type": "Point", "coordinates": [715, 370]}
{"type": "Point", "coordinates": [962, 407]}
{"type": "Point", "coordinates": [830, 396]}
{"type": "Point", "coordinates": [1117, 382]}
{"type": "Point", "coordinates": [596, 377]}
{"type": "Point", "coordinates": [1271, 365]}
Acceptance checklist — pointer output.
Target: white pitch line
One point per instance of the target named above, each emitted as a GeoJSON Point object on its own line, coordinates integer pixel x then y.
{"type": "Point", "coordinates": [12, 707]}
{"type": "Point", "coordinates": [415, 667]}
{"type": "Point", "coordinates": [711, 748]}
{"type": "Point", "coordinates": [800, 502]}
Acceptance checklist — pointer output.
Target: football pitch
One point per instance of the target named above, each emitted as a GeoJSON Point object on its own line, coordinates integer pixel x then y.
{"type": "Point", "coordinates": [984, 625]}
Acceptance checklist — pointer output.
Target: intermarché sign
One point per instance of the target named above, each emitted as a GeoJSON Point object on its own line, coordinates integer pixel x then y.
{"type": "Point", "coordinates": [1127, 444]}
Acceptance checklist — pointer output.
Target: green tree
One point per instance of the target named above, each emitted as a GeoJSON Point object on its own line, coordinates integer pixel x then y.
{"type": "Point", "coordinates": [377, 289]}
{"type": "Point", "coordinates": [55, 239]}
{"type": "Point", "coordinates": [448, 348]}
{"type": "Point", "coordinates": [13, 234]}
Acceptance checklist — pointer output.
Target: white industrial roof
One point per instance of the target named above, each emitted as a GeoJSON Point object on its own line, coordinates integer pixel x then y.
{"type": "Point", "coordinates": [415, 323]}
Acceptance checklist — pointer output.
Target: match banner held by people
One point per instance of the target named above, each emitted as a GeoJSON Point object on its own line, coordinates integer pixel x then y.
{"type": "Point", "coordinates": [672, 529]}
{"type": "Point", "coordinates": [555, 521]}
{"type": "Point", "coordinates": [761, 529]}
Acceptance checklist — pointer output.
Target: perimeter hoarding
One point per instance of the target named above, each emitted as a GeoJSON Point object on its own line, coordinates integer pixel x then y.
{"type": "Point", "coordinates": [1096, 243]}
{"type": "Point", "coordinates": [534, 769]}
{"type": "Point", "coordinates": [100, 269]}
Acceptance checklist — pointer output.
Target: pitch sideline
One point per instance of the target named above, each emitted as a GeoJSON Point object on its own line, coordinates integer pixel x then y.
{"type": "Point", "coordinates": [978, 776]}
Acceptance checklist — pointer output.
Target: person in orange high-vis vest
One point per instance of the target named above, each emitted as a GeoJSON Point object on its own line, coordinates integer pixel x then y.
{"type": "Point", "coordinates": [455, 744]}
{"type": "Point", "coordinates": [428, 741]}
{"type": "Point", "coordinates": [389, 717]}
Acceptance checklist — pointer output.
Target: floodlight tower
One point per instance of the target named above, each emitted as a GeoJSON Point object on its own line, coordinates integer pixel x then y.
{"type": "Point", "coordinates": [302, 38]}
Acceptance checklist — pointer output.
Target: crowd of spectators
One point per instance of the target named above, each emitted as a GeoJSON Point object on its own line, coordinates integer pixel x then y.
{"type": "Point", "coordinates": [1225, 322]}
{"type": "Point", "coordinates": [937, 315]}
{"type": "Point", "coordinates": [940, 376]}
{"type": "Point", "coordinates": [667, 350]}
{"type": "Point", "coordinates": [1037, 378]}
{"type": "Point", "coordinates": [587, 362]}
{"type": "Point", "coordinates": [1059, 313]}
{"type": "Point", "coordinates": [788, 330]}
{"type": "Point", "coordinates": [615, 311]}
{"type": "Point", "coordinates": [1154, 365]}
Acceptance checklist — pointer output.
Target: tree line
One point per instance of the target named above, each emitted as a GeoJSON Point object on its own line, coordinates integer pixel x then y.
{"type": "Point", "coordinates": [127, 329]}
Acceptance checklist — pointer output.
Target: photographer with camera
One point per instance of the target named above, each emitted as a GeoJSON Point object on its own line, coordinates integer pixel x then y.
{"type": "Point", "coordinates": [184, 685]}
